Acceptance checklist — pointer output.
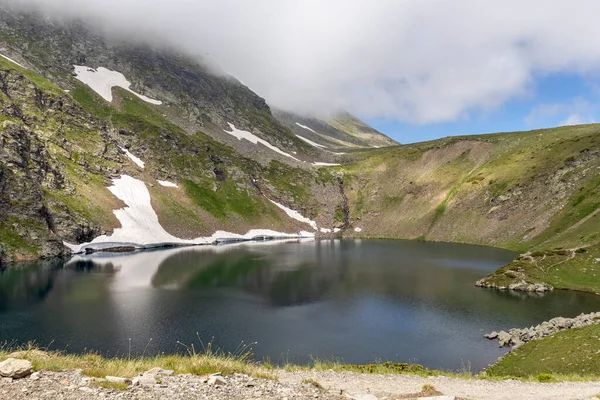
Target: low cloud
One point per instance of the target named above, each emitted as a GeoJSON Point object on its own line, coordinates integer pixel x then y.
{"type": "Point", "coordinates": [577, 119]}
{"type": "Point", "coordinates": [413, 61]}
{"type": "Point", "coordinates": [573, 112]}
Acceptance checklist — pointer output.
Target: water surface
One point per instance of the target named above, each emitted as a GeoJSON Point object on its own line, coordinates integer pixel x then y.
{"type": "Point", "coordinates": [356, 300]}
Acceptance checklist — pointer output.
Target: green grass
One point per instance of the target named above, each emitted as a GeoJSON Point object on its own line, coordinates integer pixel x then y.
{"type": "Point", "coordinates": [313, 382]}
{"type": "Point", "coordinates": [573, 352]}
{"type": "Point", "coordinates": [39, 81]}
{"type": "Point", "coordinates": [16, 246]}
{"type": "Point", "coordinates": [562, 269]}
{"type": "Point", "coordinates": [94, 365]}
{"type": "Point", "coordinates": [293, 181]}
{"type": "Point", "coordinates": [225, 200]}
{"type": "Point", "coordinates": [110, 385]}
{"type": "Point", "coordinates": [383, 368]}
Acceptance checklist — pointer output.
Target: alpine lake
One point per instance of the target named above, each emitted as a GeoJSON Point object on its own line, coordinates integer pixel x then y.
{"type": "Point", "coordinates": [356, 301]}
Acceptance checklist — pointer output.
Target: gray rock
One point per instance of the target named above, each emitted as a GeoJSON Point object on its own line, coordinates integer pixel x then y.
{"type": "Point", "coordinates": [15, 368]}
{"type": "Point", "coordinates": [153, 371]}
{"type": "Point", "coordinates": [216, 380]}
{"type": "Point", "coordinates": [492, 335]}
{"type": "Point", "coordinates": [504, 338]}
{"type": "Point", "coordinates": [118, 379]}
{"type": "Point", "coordinates": [144, 380]}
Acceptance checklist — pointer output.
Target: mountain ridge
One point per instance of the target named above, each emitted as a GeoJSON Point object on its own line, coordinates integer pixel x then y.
{"type": "Point", "coordinates": [233, 164]}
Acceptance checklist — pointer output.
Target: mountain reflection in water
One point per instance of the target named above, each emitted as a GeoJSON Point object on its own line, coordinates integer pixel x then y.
{"type": "Point", "coordinates": [351, 299]}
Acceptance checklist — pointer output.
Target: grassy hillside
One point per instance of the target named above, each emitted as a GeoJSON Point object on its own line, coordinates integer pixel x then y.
{"type": "Point", "coordinates": [518, 190]}
{"type": "Point", "coordinates": [572, 352]}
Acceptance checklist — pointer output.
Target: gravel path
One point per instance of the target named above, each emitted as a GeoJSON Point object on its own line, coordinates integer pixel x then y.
{"type": "Point", "coordinates": [394, 386]}
{"type": "Point", "coordinates": [71, 385]}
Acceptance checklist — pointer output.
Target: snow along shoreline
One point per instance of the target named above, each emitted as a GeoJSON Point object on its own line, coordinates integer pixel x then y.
{"type": "Point", "coordinates": [140, 228]}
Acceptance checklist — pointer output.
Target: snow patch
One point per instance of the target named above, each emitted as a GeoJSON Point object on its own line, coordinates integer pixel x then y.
{"type": "Point", "coordinates": [12, 61]}
{"type": "Point", "coordinates": [102, 81]}
{"type": "Point", "coordinates": [324, 164]}
{"type": "Point", "coordinates": [133, 158]}
{"type": "Point", "coordinates": [168, 184]}
{"type": "Point", "coordinates": [336, 230]}
{"type": "Point", "coordinates": [305, 127]}
{"type": "Point", "coordinates": [255, 140]}
{"type": "Point", "coordinates": [325, 230]}
{"type": "Point", "coordinates": [254, 233]}
{"type": "Point", "coordinates": [357, 229]}
{"type": "Point", "coordinates": [296, 215]}
{"type": "Point", "coordinates": [140, 227]}
{"type": "Point", "coordinates": [139, 222]}
{"type": "Point", "coordinates": [320, 146]}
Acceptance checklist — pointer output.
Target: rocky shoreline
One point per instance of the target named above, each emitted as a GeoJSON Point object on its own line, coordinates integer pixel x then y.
{"type": "Point", "coordinates": [520, 286]}
{"type": "Point", "coordinates": [516, 337]}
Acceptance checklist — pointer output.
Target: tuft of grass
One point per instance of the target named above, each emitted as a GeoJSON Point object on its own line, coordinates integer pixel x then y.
{"type": "Point", "coordinates": [545, 378]}
{"type": "Point", "coordinates": [314, 382]}
{"type": "Point", "coordinates": [384, 368]}
{"type": "Point", "coordinates": [208, 361]}
{"type": "Point", "coordinates": [110, 385]}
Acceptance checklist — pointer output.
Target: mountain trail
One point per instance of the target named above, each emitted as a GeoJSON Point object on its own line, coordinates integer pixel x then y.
{"type": "Point", "coordinates": [356, 385]}
{"type": "Point", "coordinates": [71, 385]}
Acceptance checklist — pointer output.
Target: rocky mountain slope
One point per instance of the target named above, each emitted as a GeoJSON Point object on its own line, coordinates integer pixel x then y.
{"type": "Point", "coordinates": [338, 132]}
{"type": "Point", "coordinates": [206, 154]}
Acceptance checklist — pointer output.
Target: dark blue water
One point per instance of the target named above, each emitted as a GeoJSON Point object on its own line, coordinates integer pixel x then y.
{"type": "Point", "coordinates": [360, 301]}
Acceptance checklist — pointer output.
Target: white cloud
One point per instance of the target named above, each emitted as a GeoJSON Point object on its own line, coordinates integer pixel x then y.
{"type": "Point", "coordinates": [410, 60]}
{"type": "Point", "coordinates": [577, 119]}
{"type": "Point", "coordinates": [573, 112]}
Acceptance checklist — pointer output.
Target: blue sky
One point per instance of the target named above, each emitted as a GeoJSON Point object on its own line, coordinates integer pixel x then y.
{"type": "Point", "coordinates": [550, 100]}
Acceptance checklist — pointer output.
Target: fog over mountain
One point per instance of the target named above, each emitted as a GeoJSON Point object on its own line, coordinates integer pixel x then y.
{"type": "Point", "coordinates": [407, 60]}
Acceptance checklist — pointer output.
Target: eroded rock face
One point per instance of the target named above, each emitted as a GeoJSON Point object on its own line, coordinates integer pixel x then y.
{"type": "Point", "coordinates": [15, 368]}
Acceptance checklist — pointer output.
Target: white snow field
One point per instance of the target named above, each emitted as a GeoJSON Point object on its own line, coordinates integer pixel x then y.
{"type": "Point", "coordinates": [357, 229]}
{"type": "Point", "coordinates": [139, 222]}
{"type": "Point", "coordinates": [168, 184]}
{"type": "Point", "coordinates": [140, 227]}
{"type": "Point", "coordinates": [102, 81]}
{"type": "Point", "coordinates": [133, 158]}
{"type": "Point", "coordinates": [12, 61]}
{"type": "Point", "coordinates": [305, 127]}
{"type": "Point", "coordinates": [324, 164]}
{"type": "Point", "coordinates": [255, 140]}
{"type": "Point", "coordinates": [317, 145]}
{"type": "Point", "coordinates": [296, 215]}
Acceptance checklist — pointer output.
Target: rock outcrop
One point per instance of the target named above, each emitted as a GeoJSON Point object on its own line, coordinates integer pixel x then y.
{"type": "Point", "coordinates": [516, 337]}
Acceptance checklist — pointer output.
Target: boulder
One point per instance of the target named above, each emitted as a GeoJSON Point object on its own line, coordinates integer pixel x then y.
{"type": "Point", "coordinates": [144, 380]}
{"type": "Point", "coordinates": [216, 380]}
{"type": "Point", "coordinates": [15, 368]}
{"type": "Point", "coordinates": [159, 371]}
{"type": "Point", "coordinates": [118, 379]}
{"type": "Point", "coordinates": [153, 371]}
{"type": "Point", "coordinates": [492, 335]}
{"type": "Point", "coordinates": [504, 338]}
